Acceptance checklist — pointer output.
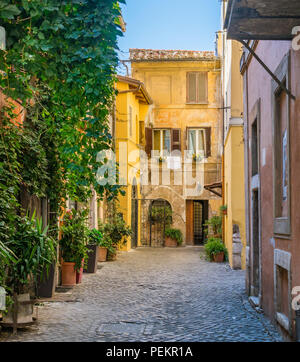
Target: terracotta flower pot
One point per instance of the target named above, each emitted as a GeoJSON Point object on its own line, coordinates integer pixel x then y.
{"type": "Point", "coordinates": [170, 243]}
{"type": "Point", "coordinates": [79, 273]}
{"type": "Point", "coordinates": [68, 274]}
{"type": "Point", "coordinates": [102, 253]}
{"type": "Point", "coordinates": [219, 258]}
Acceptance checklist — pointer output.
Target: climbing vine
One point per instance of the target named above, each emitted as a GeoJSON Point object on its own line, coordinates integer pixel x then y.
{"type": "Point", "coordinates": [59, 67]}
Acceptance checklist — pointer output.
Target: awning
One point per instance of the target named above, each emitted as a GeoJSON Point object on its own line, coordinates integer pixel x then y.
{"type": "Point", "coordinates": [212, 188]}
{"type": "Point", "coordinates": [262, 19]}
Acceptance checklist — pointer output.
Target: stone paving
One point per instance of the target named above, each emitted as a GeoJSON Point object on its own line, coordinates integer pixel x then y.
{"type": "Point", "coordinates": [159, 295]}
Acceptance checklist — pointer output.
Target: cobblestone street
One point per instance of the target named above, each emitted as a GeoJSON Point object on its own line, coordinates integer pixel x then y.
{"type": "Point", "coordinates": [153, 295]}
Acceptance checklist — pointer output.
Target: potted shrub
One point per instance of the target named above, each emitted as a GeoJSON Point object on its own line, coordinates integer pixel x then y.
{"type": "Point", "coordinates": [173, 237]}
{"type": "Point", "coordinates": [213, 227]}
{"type": "Point", "coordinates": [223, 209]}
{"type": "Point", "coordinates": [215, 250]}
{"type": "Point", "coordinates": [73, 246]}
{"type": "Point", "coordinates": [95, 251]}
{"type": "Point", "coordinates": [115, 232]}
{"type": "Point", "coordinates": [34, 252]}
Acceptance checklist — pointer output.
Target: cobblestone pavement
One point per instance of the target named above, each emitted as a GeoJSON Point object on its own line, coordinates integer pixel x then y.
{"type": "Point", "coordinates": [167, 295]}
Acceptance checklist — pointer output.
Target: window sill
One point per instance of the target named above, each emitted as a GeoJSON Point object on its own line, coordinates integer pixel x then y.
{"type": "Point", "coordinates": [196, 104]}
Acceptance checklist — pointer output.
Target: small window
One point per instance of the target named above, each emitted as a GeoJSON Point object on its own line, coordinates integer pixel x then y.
{"type": "Point", "coordinates": [197, 87]}
{"type": "Point", "coordinates": [130, 121]}
{"type": "Point", "coordinates": [254, 148]}
{"type": "Point", "coordinates": [197, 142]}
{"type": "Point", "coordinates": [162, 140]}
{"type": "Point", "coordinates": [141, 133]}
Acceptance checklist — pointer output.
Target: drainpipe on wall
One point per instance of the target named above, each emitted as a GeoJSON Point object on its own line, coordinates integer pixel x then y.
{"type": "Point", "coordinates": [298, 325]}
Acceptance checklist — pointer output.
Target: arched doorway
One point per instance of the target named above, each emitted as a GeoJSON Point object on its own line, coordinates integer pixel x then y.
{"type": "Point", "coordinates": [134, 214]}
{"type": "Point", "coordinates": [160, 217]}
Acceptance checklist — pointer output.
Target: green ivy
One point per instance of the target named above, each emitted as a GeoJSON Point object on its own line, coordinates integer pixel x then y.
{"type": "Point", "coordinates": [59, 65]}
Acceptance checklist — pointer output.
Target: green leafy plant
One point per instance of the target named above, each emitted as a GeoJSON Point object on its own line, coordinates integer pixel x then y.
{"type": "Point", "coordinates": [97, 238]}
{"type": "Point", "coordinates": [213, 227]}
{"type": "Point", "coordinates": [174, 234]}
{"type": "Point", "coordinates": [159, 213]}
{"type": "Point", "coordinates": [223, 208]}
{"type": "Point", "coordinates": [214, 246]}
{"type": "Point", "coordinates": [116, 230]}
{"type": "Point", "coordinates": [34, 251]}
{"type": "Point", "coordinates": [73, 242]}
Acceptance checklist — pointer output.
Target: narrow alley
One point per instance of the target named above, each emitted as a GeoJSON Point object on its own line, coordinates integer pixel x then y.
{"type": "Point", "coordinates": [156, 295]}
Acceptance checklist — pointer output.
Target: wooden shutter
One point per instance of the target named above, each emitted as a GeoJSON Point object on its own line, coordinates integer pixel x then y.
{"type": "Point", "coordinates": [208, 141]}
{"type": "Point", "coordinates": [148, 138]}
{"type": "Point", "coordinates": [176, 144]}
{"type": "Point", "coordinates": [191, 87]}
{"type": "Point", "coordinates": [202, 87]}
{"type": "Point", "coordinates": [197, 87]}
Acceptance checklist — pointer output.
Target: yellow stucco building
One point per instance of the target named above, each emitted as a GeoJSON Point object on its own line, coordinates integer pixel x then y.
{"type": "Point", "coordinates": [128, 128]}
{"type": "Point", "coordinates": [186, 116]}
{"type": "Point", "coordinates": [233, 154]}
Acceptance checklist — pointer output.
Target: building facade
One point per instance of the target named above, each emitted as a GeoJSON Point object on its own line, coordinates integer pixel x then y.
{"type": "Point", "coordinates": [233, 153]}
{"type": "Point", "coordinates": [128, 129]}
{"type": "Point", "coordinates": [182, 140]}
{"type": "Point", "coordinates": [270, 66]}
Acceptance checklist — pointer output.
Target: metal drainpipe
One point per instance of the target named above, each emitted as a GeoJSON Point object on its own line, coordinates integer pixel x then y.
{"type": "Point", "coordinates": [298, 325]}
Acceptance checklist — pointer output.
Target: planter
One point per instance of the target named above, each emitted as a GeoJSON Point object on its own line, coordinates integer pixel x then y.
{"type": "Point", "coordinates": [92, 260]}
{"type": "Point", "coordinates": [219, 258]}
{"type": "Point", "coordinates": [46, 283]}
{"type": "Point", "coordinates": [79, 273]}
{"type": "Point", "coordinates": [25, 311]}
{"type": "Point", "coordinates": [68, 274]}
{"type": "Point", "coordinates": [170, 243]}
{"type": "Point", "coordinates": [102, 253]}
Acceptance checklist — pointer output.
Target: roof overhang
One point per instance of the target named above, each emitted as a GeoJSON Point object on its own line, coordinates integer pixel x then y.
{"type": "Point", "coordinates": [262, 19]}
{"type": "Point", "coordinates": [212, 188]}
{"type": "Point", "coordinates": [136, 87]}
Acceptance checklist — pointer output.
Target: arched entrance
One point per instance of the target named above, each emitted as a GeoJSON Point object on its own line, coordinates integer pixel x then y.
{"type": "Point", "coordinates": [134, 214]}
{"type": "Point", "coordinates": [160, 217]}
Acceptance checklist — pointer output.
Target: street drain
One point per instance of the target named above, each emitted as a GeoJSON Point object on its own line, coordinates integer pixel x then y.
{"type": "Point", "coordinates": [127, 328]}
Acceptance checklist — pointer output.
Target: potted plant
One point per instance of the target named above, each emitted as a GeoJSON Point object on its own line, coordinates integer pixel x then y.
{"type": "Point", "coordinates": [73, 246]}
{"type": "Point", "coordinates": [34, 252]}
{"type": "Point", "coordinates": [173, 238]}
{"type": "Point", "coordinates": [95, 238]}
{"type": "Point", "coordinates": [213, 227]}
{"type": "Point", "coordinates": [104, 244]}
{"type": "Point", "coordinates": [215, 250]}
{"type": "Point", "coordinates": [115, 232]}
{"type": "Point", "coordinates": [223, 209]}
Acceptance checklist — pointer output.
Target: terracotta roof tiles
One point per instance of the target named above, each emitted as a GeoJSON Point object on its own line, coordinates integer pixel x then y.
{"type": "Point", "coordinates": [152, 54]}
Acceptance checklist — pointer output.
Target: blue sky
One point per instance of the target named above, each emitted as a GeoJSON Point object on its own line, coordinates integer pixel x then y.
{"type": "Point", "coordinates": [170, 24]}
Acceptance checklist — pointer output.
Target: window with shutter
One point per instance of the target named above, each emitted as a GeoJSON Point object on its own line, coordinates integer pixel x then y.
{"type": "Point", "coordinates": [197, 87]}
{"type": "Point", "coordinates": [198, 141]}
{"type": "Point", "coordinates": [161, 140]}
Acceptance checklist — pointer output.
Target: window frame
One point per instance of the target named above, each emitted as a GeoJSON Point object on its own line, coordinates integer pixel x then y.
{"type": "Point", "coordinates": [161, 151]}
{"type": "Point", "coordinates": [197, 129]}
{"type": "Point", "coordinates": [198, 101]}
{"type": "Point", "coordinates": [281, 224]}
